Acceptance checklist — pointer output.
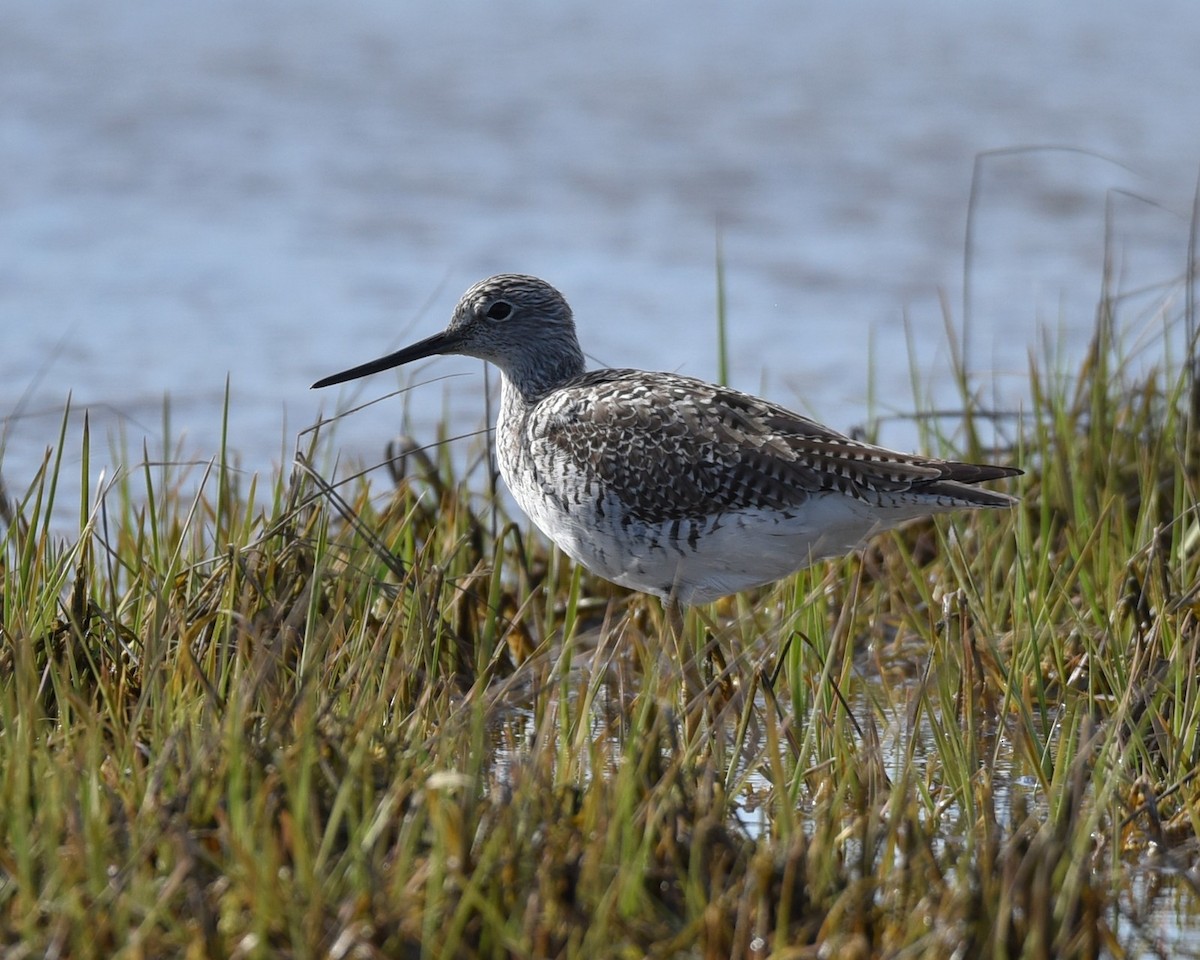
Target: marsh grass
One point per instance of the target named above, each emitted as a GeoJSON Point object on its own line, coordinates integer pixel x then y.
{"type": "Point", "coordinates": [381, 719]}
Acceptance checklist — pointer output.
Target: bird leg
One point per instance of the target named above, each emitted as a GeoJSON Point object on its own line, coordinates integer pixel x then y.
{"type": "Point", "coordinates": [685, 656]}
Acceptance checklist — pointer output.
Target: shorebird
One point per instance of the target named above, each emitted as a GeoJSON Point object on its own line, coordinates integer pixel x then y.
{"type": "Point", "coordinates": [667, 484]}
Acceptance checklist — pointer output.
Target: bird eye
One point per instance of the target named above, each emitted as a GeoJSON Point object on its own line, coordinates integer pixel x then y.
{"type": "Point", "coordinates": [500, 310]}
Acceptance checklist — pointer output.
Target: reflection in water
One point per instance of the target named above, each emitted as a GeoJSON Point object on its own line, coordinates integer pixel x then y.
{"type": "Point", "coordinates": [902, 720]}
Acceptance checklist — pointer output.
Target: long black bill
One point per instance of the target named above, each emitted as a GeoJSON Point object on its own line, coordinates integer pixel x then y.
{"type": "Point", "coordinates": [439, 343]}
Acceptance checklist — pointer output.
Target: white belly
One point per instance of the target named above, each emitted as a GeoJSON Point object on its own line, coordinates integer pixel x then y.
{"type": "Point", "coordinates": [700, 560]}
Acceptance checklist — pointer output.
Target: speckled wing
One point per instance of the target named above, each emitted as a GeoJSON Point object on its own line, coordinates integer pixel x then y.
{"type": "Point", "coordinates": [671, 447]}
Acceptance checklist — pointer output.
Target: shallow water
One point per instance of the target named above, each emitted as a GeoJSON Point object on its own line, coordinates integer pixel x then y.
{"type": "Point", "coordinates": [1154, 915]}
{"type": "Point", "coordinates": [271, 192]}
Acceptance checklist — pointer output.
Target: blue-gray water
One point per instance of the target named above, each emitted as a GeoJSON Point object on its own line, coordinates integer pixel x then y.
{"type": "Point", "coordinates": [273, 191]}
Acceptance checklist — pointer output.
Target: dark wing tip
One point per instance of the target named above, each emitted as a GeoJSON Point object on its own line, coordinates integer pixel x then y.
{"type": "Point", "coordinates": [978, 472]}
{"type": "Point", "coordinates": [959, 481]}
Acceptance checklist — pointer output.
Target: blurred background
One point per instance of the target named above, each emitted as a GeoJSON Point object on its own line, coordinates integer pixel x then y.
{"type": "Point", "coordinates": [271, 192]}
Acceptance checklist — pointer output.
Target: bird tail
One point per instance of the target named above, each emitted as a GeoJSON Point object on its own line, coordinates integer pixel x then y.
{"type": "Point", "coordinates": [953, 494]}
{"type": "Point", "coordinates": [956, 485]}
